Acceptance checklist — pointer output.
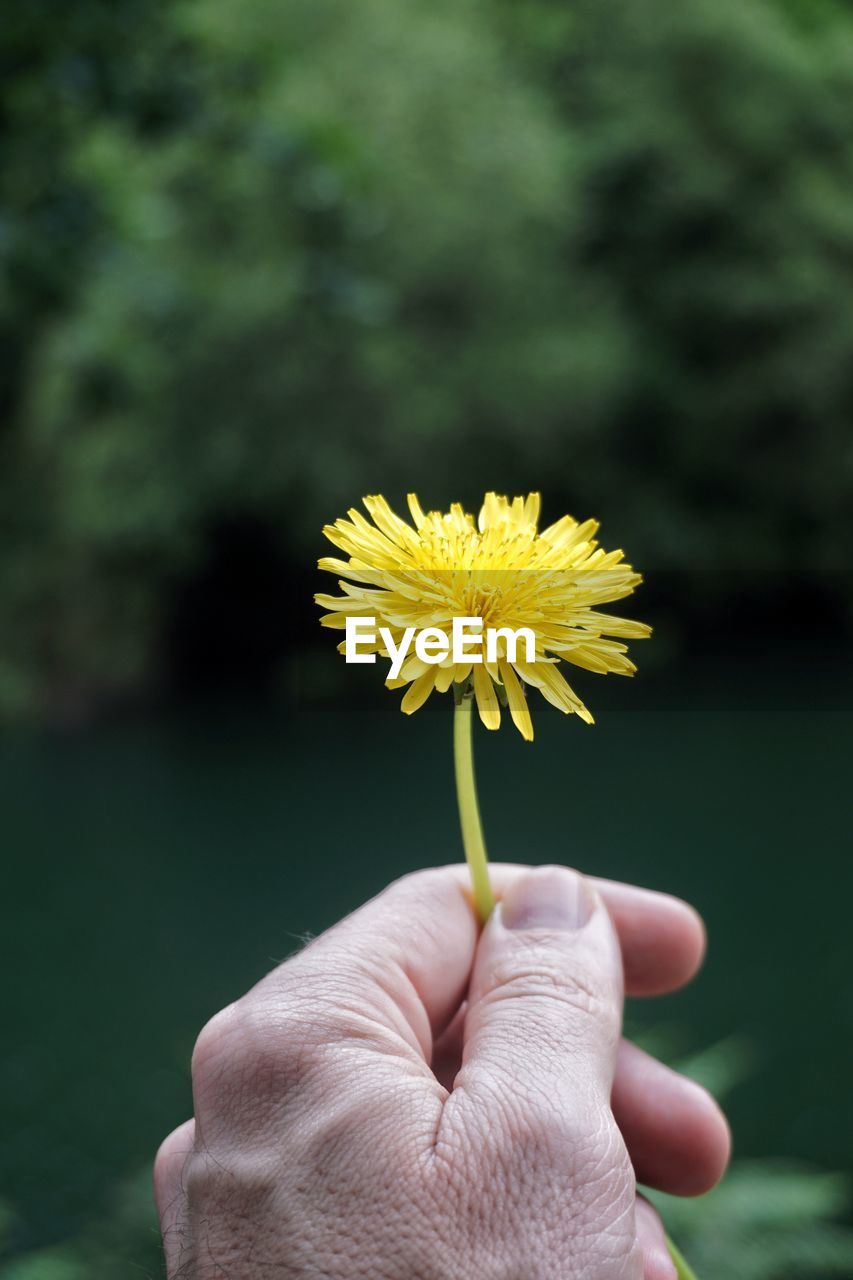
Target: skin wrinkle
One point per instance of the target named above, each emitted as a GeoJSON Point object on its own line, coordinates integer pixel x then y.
{"type": "Point", "coordinates": [509, 1161]}
{"type": "Point", "coordinates": [537, 983]}
{"type": "Point", "coordinates": [394, 1005]}
{"type": "Point", "coordinates": [485, 1163]}
{"type": "Point", "coordinates": [504, 1044]}
{"type": "Point", "coordinates": [404, 996]}
{"type": "Point", "coordinates": [608, 1179]}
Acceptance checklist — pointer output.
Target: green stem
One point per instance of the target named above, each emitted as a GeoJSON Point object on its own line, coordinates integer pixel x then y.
{"type": "Point", "coordinates": [469, 809]}
{"type": "Point", "coordinates": [684, 1272]}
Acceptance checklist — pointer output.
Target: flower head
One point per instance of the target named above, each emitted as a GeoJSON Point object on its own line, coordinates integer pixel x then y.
{"type": "Point", "coordinates": [499, 568]}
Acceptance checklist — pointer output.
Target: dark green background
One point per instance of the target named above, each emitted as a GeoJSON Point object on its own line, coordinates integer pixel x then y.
{"type": "Point", "coordinates": [258, 259]}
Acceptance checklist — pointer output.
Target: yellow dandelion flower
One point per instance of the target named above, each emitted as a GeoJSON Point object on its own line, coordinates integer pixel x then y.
{"type": "Point", "coordinates": [499, 569]}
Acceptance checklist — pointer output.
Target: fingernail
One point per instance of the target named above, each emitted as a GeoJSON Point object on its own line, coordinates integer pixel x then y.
{"type": "Point", "coordinates": [548, 898]}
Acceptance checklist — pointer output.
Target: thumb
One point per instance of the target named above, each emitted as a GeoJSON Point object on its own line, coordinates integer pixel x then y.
{"type": "Point", "coordinates": [545, 1001]}
{"type": "Point", "coordinates": [532, 1097]}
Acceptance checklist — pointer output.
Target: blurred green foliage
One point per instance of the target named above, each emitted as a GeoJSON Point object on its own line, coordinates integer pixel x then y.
{"type": "Point", "coordinates": [120, 1242]}
{"type": "Point", "coordinates": [766, 1221]}
{"type": "Point", "coordinates": [258, 259]}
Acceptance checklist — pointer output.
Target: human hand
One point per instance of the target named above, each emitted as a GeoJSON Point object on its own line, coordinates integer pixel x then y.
{"type": "Point", "coordinates": [408, 1098]}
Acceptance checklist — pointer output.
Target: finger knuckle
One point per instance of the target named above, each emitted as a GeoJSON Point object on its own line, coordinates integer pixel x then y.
{"type": "Point", "coordinates": [438, 886]}
{"type": "Point", "coordinates": [249, 1052]}
{"type": "Point", "coordinates": [216, 1045]}
{"type": "Point", "coordinates": [236, 1178]}
{"type": "Point", "coordinates": [175, 1150]}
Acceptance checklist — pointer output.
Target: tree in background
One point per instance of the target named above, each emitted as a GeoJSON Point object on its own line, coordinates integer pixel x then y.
{"type": "Point", "coordinates": [262, 258]}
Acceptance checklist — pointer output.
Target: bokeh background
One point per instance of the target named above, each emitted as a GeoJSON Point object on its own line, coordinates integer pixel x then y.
{"type": "Point", "coordinates": [257, 259]}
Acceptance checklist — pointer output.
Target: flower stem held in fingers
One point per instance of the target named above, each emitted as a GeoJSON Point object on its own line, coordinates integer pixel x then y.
{"type": "Point", "coordinates": [469, 809]}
